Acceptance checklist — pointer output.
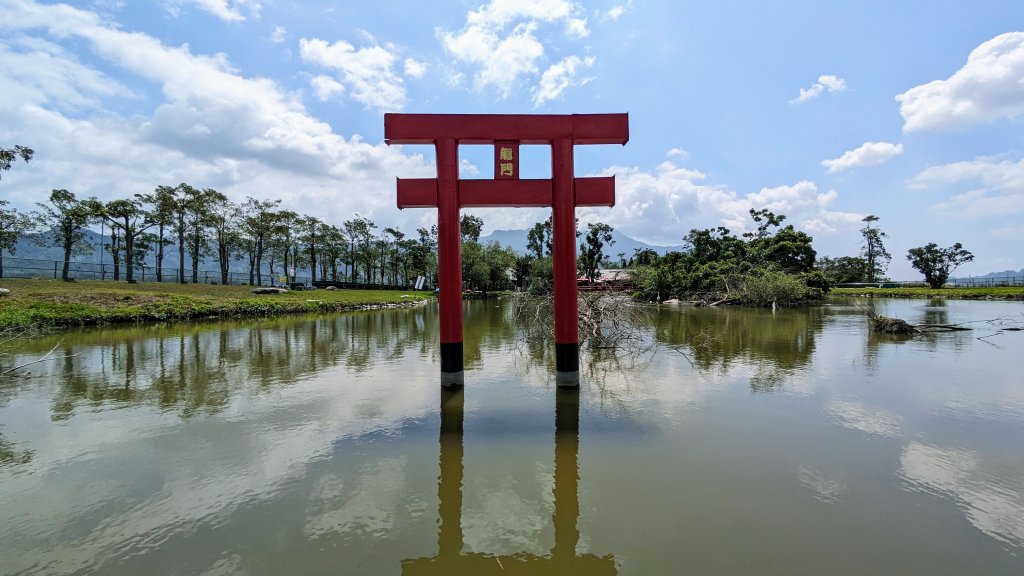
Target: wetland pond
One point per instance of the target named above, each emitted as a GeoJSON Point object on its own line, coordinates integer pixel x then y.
{"type": "Point", "coordinates": [745, 442]}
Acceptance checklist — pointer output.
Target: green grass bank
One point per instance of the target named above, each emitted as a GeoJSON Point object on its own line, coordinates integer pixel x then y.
{"type": "Point", "coordinates": [54, 304]}
{"type": "Point", "coordinates": [986, 293]}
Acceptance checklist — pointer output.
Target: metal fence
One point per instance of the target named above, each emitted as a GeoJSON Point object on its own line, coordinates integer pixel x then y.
{"type": "Point", "coordinates": [987, 282]}
{"type": "Point", "coordinates": [13, 267]}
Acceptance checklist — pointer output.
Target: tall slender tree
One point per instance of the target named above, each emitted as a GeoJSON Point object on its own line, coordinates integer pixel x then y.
{"type": "Point", "coordinates": [225, 221]}
{"type": "Point", "coordinates": [311, 235]}
{"type": "Point", "coordinates": [13, 225]}
{"type": "Point", "coordinates": [129, 219]}
{"type": "Point", "coordinates": [198, 220]}
{"type": "Point", "coordinates": [258, 224]}
{"type": "Point", "coordinates": [592, 248]}
{"type": "Point", "coordinates": [873, 249]}
{"type": "Point", "coordinates": [162, 212]}
{"type": "Point", "coordinates": [65, 217]}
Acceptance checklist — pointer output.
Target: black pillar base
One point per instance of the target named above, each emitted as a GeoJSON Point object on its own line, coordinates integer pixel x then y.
{"type": "Point", "coordinates": [567, 357]}
{"type": "Point", "coordinates": [567, 365]}
{"type": "Point", "coordinates": [451, 364]}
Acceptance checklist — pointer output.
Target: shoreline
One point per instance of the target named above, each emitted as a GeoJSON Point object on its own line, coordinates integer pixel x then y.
{"type": "Point", "coordinates": [1002, 293]}
{"type": "Point", "coordinates": [55, 305]}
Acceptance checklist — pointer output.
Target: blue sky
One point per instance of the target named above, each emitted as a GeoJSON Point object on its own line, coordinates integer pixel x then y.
{"type": "Point", "coordinates": [911, 111]}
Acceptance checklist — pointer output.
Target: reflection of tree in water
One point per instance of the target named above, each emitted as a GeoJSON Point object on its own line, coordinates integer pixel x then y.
{"type": "Point", "coordinates": [11, 454]}
{"type": "Point", "coordinates": [198, 368]}
{"type": "Point", "coordinates": [716, 339]}
{"type": "Point", "coordinates": [487, 326]}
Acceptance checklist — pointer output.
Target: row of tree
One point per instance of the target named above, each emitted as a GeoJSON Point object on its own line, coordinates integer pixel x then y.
{"type": "Point", "coordinates": [202, 223]}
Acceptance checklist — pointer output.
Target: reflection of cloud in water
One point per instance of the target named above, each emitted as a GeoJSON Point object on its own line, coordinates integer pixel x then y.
{"type": "Point", "coordinates": [872, 420]}
{"type": "Point", "coordinates": [503, 521]}
{"type": "Point", "coordinates": [825, 488]}
{"type": "Point", "coordinates": [369, 507]}
{"type": "Point", "coordinates": [230, 564]}
{"type": "Point", "coordinates": [992, 502]}
{"type": "Point", "coordinates": [195, 480]}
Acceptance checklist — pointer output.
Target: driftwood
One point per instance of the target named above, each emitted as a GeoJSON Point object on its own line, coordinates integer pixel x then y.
{"type": "Point", "coordinates": [47, 356]}
{"type": "Point", "coordinates": [885, 325]}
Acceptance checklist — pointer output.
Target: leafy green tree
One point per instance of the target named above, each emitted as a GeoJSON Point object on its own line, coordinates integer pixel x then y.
{"type": "Point", "coordinates": [391, 238]}
{"type": "Point", "coordinates": [13, 225]}
{"type": "Point", "coordinates": [873, 249]}
{"type": "Point", "coordinates": [470, 227]}
{"type": "Point", "coordinates": [258, 222]}
{"type": "Point", "coordinates": [199, 219]}
{"type": "Point", "coordinates": [937, 263]}
{"type": "Point", "coordinates": [592, 248]}
{"type": "Point", "coordinates": [643, 257]}
{"type": "Point", "coordinates": [129, 219]}
{"type": "Point", "coordinates": [66, 217]}
{"type": "Point", "coordinates": [843, 269]}
{"type": "Point", "coordinates": [162, 211]}
{"type": "Point", "coordinates": [475, 271]}
{"type": "Point", "coordinates": [424, 254]}
{"type": "Point", "coordinates": [225, 219]}
{"type": "Point", "coordinates": [333, 250]}
{"type": "Point", "coordinates": [10, 155]}
{"type": "Point", "coordinates": [521, 268]}
{"type": "Point", "coordinates": [500, 260]}
{"type": "Point", "coordinates": [538, 239]}
{"type": "Point", "coordinates": [311, 232]}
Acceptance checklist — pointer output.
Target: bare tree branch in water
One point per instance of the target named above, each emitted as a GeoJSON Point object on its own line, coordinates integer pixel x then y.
{"type": "Point", "coordinates": [607, 321]}
{"type": "Point", "coordinates": [12, 338]}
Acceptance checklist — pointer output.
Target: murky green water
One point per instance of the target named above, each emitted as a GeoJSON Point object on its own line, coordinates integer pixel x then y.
{"type": "Point", "coordinates": [746, 443]}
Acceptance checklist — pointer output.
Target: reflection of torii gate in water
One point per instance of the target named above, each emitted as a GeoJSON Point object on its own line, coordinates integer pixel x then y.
{"type": "Point", "coordinates": [563, 193]}
{"type": "Point", "coordinates": [563, 559]}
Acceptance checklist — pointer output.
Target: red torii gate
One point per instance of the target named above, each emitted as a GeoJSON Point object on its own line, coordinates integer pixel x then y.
{"type": "Point", "coordinates": [563, 193]}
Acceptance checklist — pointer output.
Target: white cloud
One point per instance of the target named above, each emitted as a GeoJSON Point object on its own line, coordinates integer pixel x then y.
{"type": "Point", "coordinates": [499, 40]}
{"type": "Point", "coordinates": [326, 87]}
{"type": "Point", "coordinates": [212, 127]}
{"type": "Point", "coordinates": [414, 68]}
{"type": "Point", "coordinates": [577, 27]}
{"type": "Point", "coordinates": [226, 10]}
{"type": "Point", "coordinates": [679, 153]}
{"type": "Point", "coordinates": [868, 154]}
{"type": "Point", "coordinates": [662, 205]}
{"type": "Point", "coordinates": [825, 83]}
{"type": "Point", "coordinates": [559, 77]}
{"type": "Point", "coordinates": [36, 70]}
{"type": "Point", "coordinates": [367, 72]}
{"type": "Point", "coordinates": [998, 186]}
{"type": "Point", "coordinates": [279, 35]}
{"type": "Point", "coordinates": [616, 12]}
{"type": "Point", "coordinates": [990, 86]}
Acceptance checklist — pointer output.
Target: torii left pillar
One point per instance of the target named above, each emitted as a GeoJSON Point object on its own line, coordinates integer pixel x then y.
{"type": "Point", "coordinates": [563, 193]}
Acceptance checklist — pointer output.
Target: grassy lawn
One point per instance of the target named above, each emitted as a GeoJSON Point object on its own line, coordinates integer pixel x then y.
{"type": "Point", "coordinates": [52, 303]}
{"type": "Point", "coordinates": [998, 293]}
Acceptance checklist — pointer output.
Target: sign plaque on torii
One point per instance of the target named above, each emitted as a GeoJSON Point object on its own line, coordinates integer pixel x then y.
{"type": "Point", "coordinates": [563, 192]}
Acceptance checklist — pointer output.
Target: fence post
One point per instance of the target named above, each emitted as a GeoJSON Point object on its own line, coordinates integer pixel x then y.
{"type": "Point", "coordinates": [54, 269]}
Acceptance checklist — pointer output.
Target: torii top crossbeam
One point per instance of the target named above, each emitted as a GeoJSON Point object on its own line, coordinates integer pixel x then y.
{"type": "Point", "coordinates": [490, 128]}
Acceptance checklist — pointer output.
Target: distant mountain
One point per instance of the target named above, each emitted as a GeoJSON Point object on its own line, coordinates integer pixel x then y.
{"type": "Point", "coordinates": [1004, 274]}
{"type": "Point", "coordinates": [517, 239]}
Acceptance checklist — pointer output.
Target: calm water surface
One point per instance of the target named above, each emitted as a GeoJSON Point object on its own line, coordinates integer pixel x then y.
{"type": "Point", "coordinates": [746, 442]}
